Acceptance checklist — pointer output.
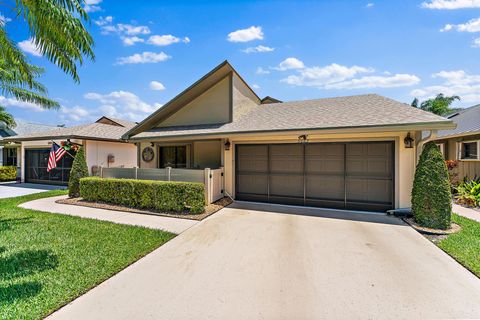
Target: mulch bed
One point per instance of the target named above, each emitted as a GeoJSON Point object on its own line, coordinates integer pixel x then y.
{"type": "Point", "coordinates": [209, 210]}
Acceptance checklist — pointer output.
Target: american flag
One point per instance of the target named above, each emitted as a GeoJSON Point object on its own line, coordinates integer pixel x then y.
{"type": "Point", "coordinates": [56, 153]}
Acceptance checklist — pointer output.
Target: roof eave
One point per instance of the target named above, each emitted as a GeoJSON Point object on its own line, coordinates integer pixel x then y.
{"type": "Point", "coordinates": [417, 126]}
{"type": "Point", "coordinates": [22, 139]}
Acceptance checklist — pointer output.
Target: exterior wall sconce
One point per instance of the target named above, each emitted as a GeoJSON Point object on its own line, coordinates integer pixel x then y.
{"type": "Point", "coordinates": [227, 145]}
{"type": "Point", "coordinates": [151, 144]}
{"type": "Point", "coordinates": [408, 141]}
{"type": "Point", "coordinates": [303, 138]}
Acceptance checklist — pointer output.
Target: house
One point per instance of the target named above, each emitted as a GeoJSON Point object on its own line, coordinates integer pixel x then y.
{"type": "Point", "coordinates": [355, 152]}
{"type": "Point", "coordinates": [10, 150]}
{"type": "Point", "coordinates": [101, 140]}
{"type": "Point", "coordinates": [463, 143]}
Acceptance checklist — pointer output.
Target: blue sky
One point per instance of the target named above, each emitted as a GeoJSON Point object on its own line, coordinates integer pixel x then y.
{"type": "Point", "coordinates": [285, 49]}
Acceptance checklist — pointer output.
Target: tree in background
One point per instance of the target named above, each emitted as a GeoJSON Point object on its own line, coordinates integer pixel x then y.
{"type": "Point", "coordinates": [439, 105]}
{"type": "Point", "coordinates": [57, 30]}
{"type": "Point", "coordinates": [7, 118]}
{"type": "Point", "coordinates": [79, 170]}
{"type": "Point", "coordinates": [431, 193]}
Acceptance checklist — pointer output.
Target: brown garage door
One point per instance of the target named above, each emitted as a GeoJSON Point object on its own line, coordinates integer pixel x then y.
{"type": "Point", "coordinates": [335, 175]}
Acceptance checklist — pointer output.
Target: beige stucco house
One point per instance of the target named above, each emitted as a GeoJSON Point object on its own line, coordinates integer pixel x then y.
{"type": "Point", "coordinates": [101, 141]}
{"type": "Point", "coordinates": [352, 152]}
{"type": "Point", "coordinates": [463, 143]}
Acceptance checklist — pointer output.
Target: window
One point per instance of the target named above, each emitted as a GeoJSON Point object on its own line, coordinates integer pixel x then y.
{"type": "Point", "coordinates": [10, 156]}
{"type": "Point", "coordinates": [469, 150]}
{"type": "Point", "coordinates": [173, 156]}
{"type": "Point", "coordinates": [441, 146]}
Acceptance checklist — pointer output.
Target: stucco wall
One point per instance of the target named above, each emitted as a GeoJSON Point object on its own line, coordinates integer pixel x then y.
{"type": "Point", "coordinates": [404, 158]}
{"type": "Point", "coordinates": [96, 153]}
{"type": "Point", "coordinates": [213, 106]}
{"type": "Point", "coordinates": [206, 154]}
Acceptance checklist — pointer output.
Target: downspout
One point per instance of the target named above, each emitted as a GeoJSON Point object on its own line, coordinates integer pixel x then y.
{"type": "Point", "coordinates": [421, 142]}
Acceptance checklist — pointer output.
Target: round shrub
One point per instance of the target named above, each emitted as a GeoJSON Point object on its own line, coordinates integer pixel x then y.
{"type": "Point", "coordinates": [431, 194]}
{"type": "Point", "coordinates": [79, 170]}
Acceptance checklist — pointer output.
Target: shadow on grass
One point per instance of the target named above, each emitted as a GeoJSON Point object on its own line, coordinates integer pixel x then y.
{"type": "Point", "coordinates": [26, 262]}
{"type": "Point", "coordinates": [7, 224]}
{"type": "Point", "coordinates": [13, 292]}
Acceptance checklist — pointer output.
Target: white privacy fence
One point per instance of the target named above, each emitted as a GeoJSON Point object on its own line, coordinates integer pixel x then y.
{"type": "Point", "coordinates": [211, 178]}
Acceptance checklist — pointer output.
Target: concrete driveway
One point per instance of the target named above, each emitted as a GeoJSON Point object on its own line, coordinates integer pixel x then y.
{"type": "Point", "coordinates": [10, 190]}
{"type": "Point", "coordinates": [271, 262]}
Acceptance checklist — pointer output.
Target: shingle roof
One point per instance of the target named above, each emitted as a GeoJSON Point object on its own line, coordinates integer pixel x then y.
{"type": "Point", "coordinates": [369, 110]}
{"type": "Point", "coordinates": [23, 128]}
{"type": "Point", "coordinates": [467, 120]}
{"type": "Point", "coordinates": [93, 131]}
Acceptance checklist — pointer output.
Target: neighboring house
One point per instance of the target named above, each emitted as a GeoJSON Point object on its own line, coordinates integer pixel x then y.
{"type": "Point", "coordinates": [463, 143]}
{"type": "Point", "coordinates": [353, 152]}
{"type": "Point", "coordinates": [9, 150]}
{"type": "Point", "coordinates": [101, 140]}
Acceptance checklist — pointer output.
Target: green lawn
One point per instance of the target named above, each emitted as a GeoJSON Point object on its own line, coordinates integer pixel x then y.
{"type": "Point", "coordinates": [464, 246]}
{"type": "Point", "coordinates": [47, 260]}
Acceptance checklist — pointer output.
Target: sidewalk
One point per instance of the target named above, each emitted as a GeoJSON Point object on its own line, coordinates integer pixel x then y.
{"type": "Point", "coordinates": [174, 225]}
{"type": "Point", "coordinates": [466, 212]}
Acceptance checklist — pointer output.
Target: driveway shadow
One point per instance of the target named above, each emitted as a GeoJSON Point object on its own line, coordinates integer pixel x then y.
{"type": "Point", "coordinates": [13, 292]}
{"type": "Point", "coordinates": [26, 262]}
{"type": "Point", "coordinates": [319, 212]}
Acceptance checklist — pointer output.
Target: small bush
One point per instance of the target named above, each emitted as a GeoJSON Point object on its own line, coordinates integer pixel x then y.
{"type": "Point", "coordinates": [8, 173]}
{"type": "Point", "coordinates": [145, 194]}
{"type": "Point", "coordinates": [468, 192]}
{"type": "Point", "coordinates": [431, 194]}
{"type": "Point", "coordinates": [79, 170]}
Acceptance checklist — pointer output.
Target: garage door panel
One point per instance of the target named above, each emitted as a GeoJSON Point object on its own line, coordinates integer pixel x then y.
{"type": "Point", "coordinates": [252, 158]}
{"type": "Point", "coordinates": [286, 159]}
{"type": "Point", "coordinates": [325, 187]}
{"type": "Point", "coordinates": [286, 185]}
{"type": "Point", "coordinates": [252, 183]}
{"type": "Point", "coordinates": [324, 158]}
{"type": "Point", "coordinates": [369, 190]}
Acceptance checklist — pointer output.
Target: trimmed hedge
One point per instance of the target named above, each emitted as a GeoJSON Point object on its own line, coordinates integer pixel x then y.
{"type": "Point", "coordinates": [8, 173]}
{"type": "Point", "coordinates": [431, 193]}
{"type": "Point", "coordinates": [166, 196]}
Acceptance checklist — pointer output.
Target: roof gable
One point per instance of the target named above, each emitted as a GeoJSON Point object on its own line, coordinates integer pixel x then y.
{"type": "Point", "coordinates": [215, 76]}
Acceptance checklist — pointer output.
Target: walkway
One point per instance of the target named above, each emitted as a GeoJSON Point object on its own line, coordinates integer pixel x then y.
{"type": "Point", "coordinates": [174, 225]}
{"type": "Point", "coordinates": [466, 212]}
{"type": "Point", "coordinates": [10, 190]}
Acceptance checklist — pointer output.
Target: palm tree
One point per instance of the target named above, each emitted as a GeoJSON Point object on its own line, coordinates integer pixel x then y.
{"type": "Point", "coordinates": [57, 29]}
{"type": "Point", "coordinates": [7, 118]}
{"type": "Point", "coordinates": [439, 105]}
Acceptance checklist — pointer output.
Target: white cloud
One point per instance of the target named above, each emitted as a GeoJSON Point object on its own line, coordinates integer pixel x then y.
{"type": "Point", "coordinates": [155, 85]}
{"type": "Point", "coordinates": [322, 76]}
{"type": "Point", "coordinates": [472, 25]}
{"type": "Point", "coordinates": [368, 82]}
{"type": "Point", "coordinates": [476, 43]}
{"type": "Point", "coordinates": [130, 41]}
{"type": "Point", "coordinates": [102, 21]}
{"type": "Point", "coordinates": [255, 86]}
{"type": "Point", "coordinates": [76, 114]}
{"type": "Point", "coordinates": [290, 63]}
{"type": "Point", "coordinates": [456, 82]}
{"type": "Point", "coordinates": [122, 104]}
{"type": "Point", "coordinates": [450, 4]}
{"type": "Point", "coordinates": [29, 47]}
{"type": "Point", "coordinates": [245, 35]}
{"type": "Point", "coordinates": [4, 20]}
{"type": "Point", "coordinates": [259, 48]}
{"type": "Point", "coordinates": [166, 40]}
{"type": "Point", "coordinates": [144, 57]}
{"type": "Point", "coordinates": [260, 70]}
{"type": "Point", "coordinates": [10, 102]}
{"type": "Point", "coordinates": [132, 30]}
{"type": "Point", "coordinates": [92, 5]}
{"type": "Point", "coordinates": [369, 5]}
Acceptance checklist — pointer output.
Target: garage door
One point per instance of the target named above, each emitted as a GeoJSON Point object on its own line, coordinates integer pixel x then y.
{"type": "Point", "coordinates": [36, 162]}
{"type": "Point", "coordinates": [355, 175]}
